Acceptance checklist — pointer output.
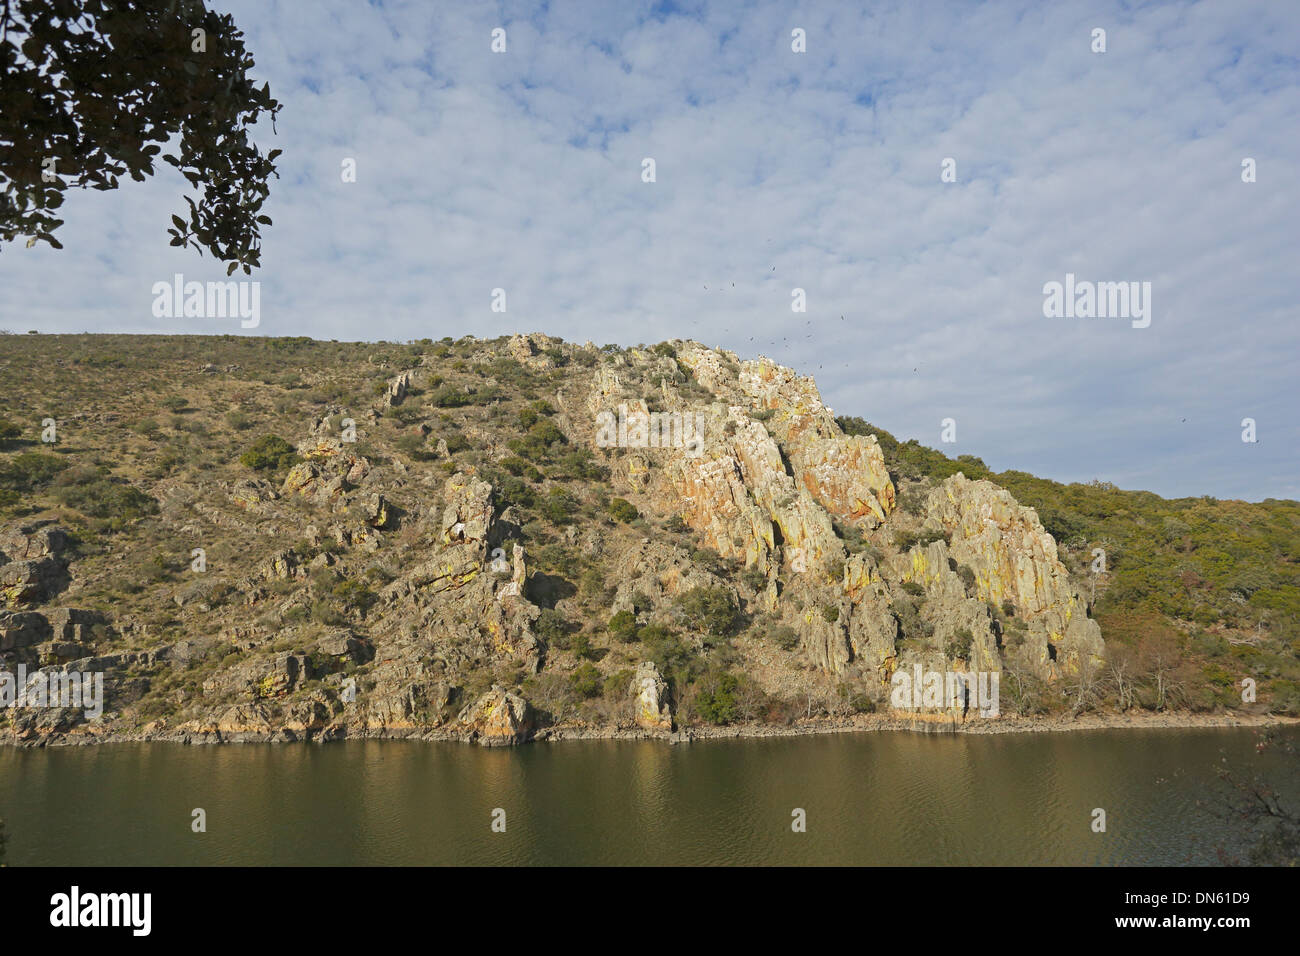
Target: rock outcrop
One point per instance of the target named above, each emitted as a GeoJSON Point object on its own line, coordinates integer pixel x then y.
{"type": "Point", "coordinates": [650, 698]}
{"type": "Point", "coordinates": [1014, 559]}
{"type": "Point", "coordinates": [498, 718]}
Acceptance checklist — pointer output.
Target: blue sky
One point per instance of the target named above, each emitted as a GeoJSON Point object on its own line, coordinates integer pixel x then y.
{"type": "Point", "coordinates": [778, 170]}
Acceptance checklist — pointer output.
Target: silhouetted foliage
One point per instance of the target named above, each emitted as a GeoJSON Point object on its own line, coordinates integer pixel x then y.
{"type": "Point", "coordinates": [91, 88]}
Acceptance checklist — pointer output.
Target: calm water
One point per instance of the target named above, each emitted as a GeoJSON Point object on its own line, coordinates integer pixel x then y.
{"type": "Point", "coordinates": [891, 798]}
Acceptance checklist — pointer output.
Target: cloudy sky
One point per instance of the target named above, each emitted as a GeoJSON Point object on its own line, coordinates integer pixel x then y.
{"type": "Point", "coordinates": [778, 170]}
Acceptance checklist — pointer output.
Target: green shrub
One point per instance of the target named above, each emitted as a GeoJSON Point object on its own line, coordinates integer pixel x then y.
{"type": "Point", "coordinates": [586, 681]}
{"type": "Point", "coordinates": [97, 493]}
{"type": "Point", "coordinates": [712, 608]}
{"type": "Point", "coordinates": [553, 628]}
{"type": "Point", "coordinates": [269, 453]}
{"type": "Point", "coordinates": [785, 636]}
{"type": "Point", "coordinates": [621, 509]}
{"type": "Point", "coordinates": [456, 442]}
{"type": "Point", "coordinates": [618, 684]}
{"type": "Point", "coordinates": [414, 447]}
{"type": "Point", "coordinates": [449, 396]}
{"type": "Point", "coordinates": [355, 594]}
{"type": "Point", "coordinates": [906, 540]}
{"type": "Point", "coordinates": [238, 420]}
{"type": "Point", "coordinates": [623, 626]}
{"type": "Point", "coordinates": [520, 467]}
{"type": "Point", "coordinates": [717, 704]}
{"type": "Point", "coordinates": [580, 645]}
{"type": "Point", "coordinates": [557, 507]}
{"type": "Point", "coordinates": [959, 645]}
{"type": "Point", "coordinates": [30, 471]}
{"type": "Point", "coordinates": [670, 653]}
{"type": "Point", "coordinates": [967, 576]}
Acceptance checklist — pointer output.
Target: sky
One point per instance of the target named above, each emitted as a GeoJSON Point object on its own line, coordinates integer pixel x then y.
{"type": "Point", "coordinates": [778, 170]}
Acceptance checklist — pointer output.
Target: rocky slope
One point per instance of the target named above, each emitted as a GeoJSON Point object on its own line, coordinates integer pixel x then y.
{"type": "Point", "coordinates": [475, 554]}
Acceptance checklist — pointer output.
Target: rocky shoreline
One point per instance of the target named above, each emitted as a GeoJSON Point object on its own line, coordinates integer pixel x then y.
{"type": "Point", "coordinates": [864, 723]}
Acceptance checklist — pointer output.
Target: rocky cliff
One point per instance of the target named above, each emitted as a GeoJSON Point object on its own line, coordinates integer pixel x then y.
{"type": "Point", "coordinates": [522, 536]}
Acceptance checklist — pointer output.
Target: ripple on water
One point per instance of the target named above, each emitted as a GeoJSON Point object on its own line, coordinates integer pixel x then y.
{"type": "Point", "coordinates": [869, 799]}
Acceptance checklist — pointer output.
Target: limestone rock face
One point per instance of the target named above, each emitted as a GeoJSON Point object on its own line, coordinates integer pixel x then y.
{"type": "Point", "coordinates": [464, 609]}
{"type": "Point", "coordinates": [345, 647]}
{"type": "Point", "coordinates": [872, 627]}
{"type": "Point", "coordinates": [498, 718]}
{"type": "Point", "coordinates": [847, 477]}
{"type": "Point", "coordinates": [407, 696]}
{"type": "Point", "coordinates": [711, 497]}
{"type": "Point", "coordinates": [375, 511]}
{"type": "Point", "coordinates": [1015, 559]}
{"type": "Point", "coordinates": [319, 448]}
{"type": "Point", "coordinates": [658, 572]}
{"type": "Point", "coordinates": [32, 542]}
{"type": "Point", "coordinates": [283, 566]}
{"type": "Point", "coordinates": [651, 698]}
{"type": "Point", "coordinates": [531, 349]}
{"type": "Point", "coordinates": [468, 512]}
{"type": "Point", "coordinates": [737, 495]}
{"type": "Point", "coordinates": [303, 479]}
{"type": "Point", "coordinates": [826, 642]}
{"type": "Point", "coordinates": [287, 671]}
{"type": "Point", "coordinates": [799, 414]}
{"type": "Point", "coordinates": [75, 624]}
{"type": "Point", "coordinates": [31, 582]}
{"type": "Point", "coordinates": [326, 475]}
{"type": "Point", "coordinates": [250, 494]}
{"type": "Point", "coordinates": [397, 388]}
{"type": "Point", "coordinates": [19, 629]}
{"type": "Point", "coordinates": [239, 720]}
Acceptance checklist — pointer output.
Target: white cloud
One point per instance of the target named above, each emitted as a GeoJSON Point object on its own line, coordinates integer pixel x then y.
{"type": "Point", "coordinates": [522, 171]}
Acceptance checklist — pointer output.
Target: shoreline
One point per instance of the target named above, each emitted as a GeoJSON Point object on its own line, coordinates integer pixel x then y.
{"type": "Point", "coordinates": [862, 723]}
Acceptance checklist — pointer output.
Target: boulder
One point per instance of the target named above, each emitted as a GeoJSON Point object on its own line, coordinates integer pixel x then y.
{"type": "Point", "coordinates": [650, 694]}
{"type": "Point", "coordinates": [467, 514]}
{"type": "Point", "coordinates": [498, 718]}
{"type": "Point", "coordinates": [20, 629]}
{"type": "Point", "coordinates": [31, 582]}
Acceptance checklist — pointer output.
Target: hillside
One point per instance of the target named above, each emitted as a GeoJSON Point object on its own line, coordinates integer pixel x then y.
{"type": "Point", "coordinates": [259, 538]}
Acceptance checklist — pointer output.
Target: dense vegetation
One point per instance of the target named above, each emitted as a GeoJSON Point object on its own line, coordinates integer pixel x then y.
{"type": "Point", "coordinates": [1220, 580]}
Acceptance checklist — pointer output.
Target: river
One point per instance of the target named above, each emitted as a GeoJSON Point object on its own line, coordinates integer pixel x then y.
{"type": "Point", "coordinates": [868, 799]}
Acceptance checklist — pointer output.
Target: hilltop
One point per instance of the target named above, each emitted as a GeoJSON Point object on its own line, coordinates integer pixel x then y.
{"type": "Point", "coordinates": [279, 539]}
